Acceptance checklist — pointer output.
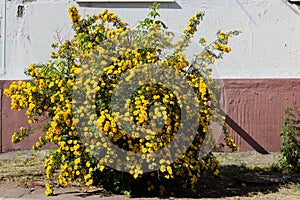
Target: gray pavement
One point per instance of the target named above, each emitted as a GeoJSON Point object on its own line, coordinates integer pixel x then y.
{"type": "Point", "coordinates": [11, 191]}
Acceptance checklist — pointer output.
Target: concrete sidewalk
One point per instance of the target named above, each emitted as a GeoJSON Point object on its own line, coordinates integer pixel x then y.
{"type": "Point", "coordinates": [10, 191]}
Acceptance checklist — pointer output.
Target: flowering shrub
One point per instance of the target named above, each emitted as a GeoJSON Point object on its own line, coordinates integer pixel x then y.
{"type": "Point", "coordinates": [99, 91]}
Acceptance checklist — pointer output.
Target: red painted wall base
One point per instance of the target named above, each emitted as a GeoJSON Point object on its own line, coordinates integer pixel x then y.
{"type": "Point", "coordinates": [256, 105]}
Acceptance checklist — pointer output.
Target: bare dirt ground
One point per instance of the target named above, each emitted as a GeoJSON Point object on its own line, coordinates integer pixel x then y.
{"type": "Point", "coordinates": [243, 175]}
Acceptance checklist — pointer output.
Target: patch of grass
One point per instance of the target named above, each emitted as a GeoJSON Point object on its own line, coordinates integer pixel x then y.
{"type": "Point", "coordinates": [296, 187]}
{"type": "Point", "coordinates": [18, 168]}
{"type": "Point", "coordinates": [225, 156]}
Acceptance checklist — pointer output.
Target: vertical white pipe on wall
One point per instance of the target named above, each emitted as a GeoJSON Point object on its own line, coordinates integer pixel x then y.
{"type": "Point", "coordinates": [3, 37]}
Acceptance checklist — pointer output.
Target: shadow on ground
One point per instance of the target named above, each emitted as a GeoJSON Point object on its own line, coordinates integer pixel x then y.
{"type": "Point", "coordinates": [233, 180]}
{"type": "Point", "coordinates": [242, 181]}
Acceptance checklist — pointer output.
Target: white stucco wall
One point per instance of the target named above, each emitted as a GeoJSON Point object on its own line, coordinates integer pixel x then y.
{"type": "Point", "coordinates": [268, 48]}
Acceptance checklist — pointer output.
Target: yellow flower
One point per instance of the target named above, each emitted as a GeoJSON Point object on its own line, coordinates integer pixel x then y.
{"type": "Point", "coordinates": [88, 164]}
{"type": "Point", "coordinates": [202, 40]}
{"type": "Point", "coordinates": [162, 168]}
{"type": "Point", "coordinates": [169, 169]}
{"type": "Point", "coordinates": [136, 175]}
{"type": "Point", "coordinates": [101, 168]}
{"type": "Point", "coordinates": [49, 190]}
{"type": "Point", "coordinates": [90, 182]}
{"type": "Point", "coordinates": [77, 161]}
{"type": "Point", "coordinates": [77, 70]}
{"type": "Point", "coordinates": [216, 172]}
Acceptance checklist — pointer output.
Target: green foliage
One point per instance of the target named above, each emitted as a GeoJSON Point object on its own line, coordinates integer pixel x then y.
{"type": "Point", "coordinates": [290, 136]}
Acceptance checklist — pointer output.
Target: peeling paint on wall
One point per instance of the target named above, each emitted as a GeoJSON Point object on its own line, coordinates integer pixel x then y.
{"type": "Point", "coordinates": [20, 11]}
